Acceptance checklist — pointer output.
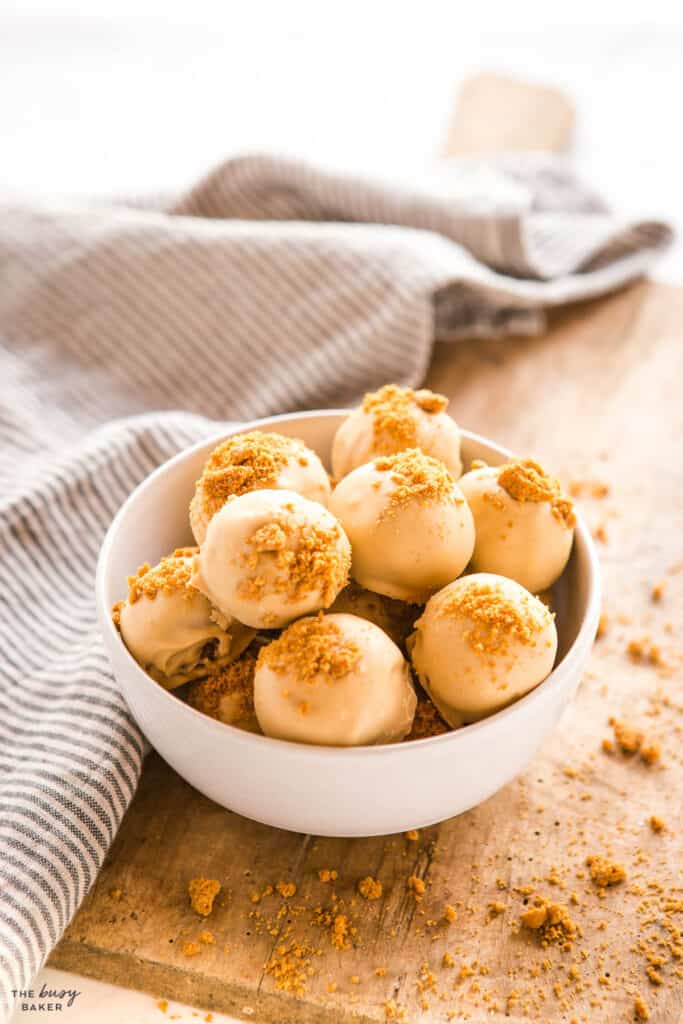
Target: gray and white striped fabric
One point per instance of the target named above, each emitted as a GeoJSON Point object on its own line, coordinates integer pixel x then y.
{"type": "Point", "coordinates": [270, 286]}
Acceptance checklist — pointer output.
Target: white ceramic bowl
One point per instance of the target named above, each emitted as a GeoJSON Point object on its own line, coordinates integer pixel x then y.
{"type": "Point", "coordinates": [331, 791]}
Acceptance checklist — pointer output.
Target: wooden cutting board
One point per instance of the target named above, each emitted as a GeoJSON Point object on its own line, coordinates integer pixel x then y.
{"type": "Point", "coordinates": [598, 399]}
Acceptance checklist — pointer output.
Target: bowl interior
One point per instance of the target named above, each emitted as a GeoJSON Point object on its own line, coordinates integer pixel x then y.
{"type": "Point", "coordinates": [154, 520]}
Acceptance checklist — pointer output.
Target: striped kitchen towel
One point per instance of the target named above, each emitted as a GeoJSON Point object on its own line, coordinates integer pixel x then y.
{"type": "Point", "coordinates": [271, 286]}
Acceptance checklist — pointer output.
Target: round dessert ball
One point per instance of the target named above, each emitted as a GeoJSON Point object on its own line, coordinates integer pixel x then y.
{"type": "Point", "coordinates": [271, 556]}
{"type": "Point", "coordinates": [227, 694]}
{"type": "Point", "coordinates": [391, 420]}
{"type": "Point", "coordinates": [251, 462]}
{"type": "Point", "coordinates": [482, 642]}
{"type": "Point", "coordinates": [524, 523]}
{"type": "Point", "coordinates": [171, 629]}
{"type": "Point", "coordinates": [410, 529]}
{"type": "Point", "coordinates": [396, 618]}
{"type": "Point", "coordinates": [336, 680]}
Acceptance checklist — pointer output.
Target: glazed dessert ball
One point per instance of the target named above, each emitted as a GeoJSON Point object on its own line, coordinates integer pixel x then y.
{"type": "Point", "coordinates": [336, 680]}
{"type": "Point", "coordinates": [391, 420]}
{"type": "Point", "coordinates": [524, 523]}
{"type": "Point", "coordinates": [410, 529]}
{"type": "Point", "coordinates": [170, 628]}
{"type": "Point", "coordinates": [271, 556]}
{"type": "Point", "coordinates": [251, 462]}
{"type": "Point", "coordinates": [482, 642]}
{"type": "Point", "coordinates": [396, 618]}
{"type": "Point", "coordinates": [227, 694]}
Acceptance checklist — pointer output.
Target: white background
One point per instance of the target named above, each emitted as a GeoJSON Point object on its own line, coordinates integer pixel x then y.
{"type": "Point", "coordinates": [119, 96]}
{"type": "Point", "coordinates": [124, 96]}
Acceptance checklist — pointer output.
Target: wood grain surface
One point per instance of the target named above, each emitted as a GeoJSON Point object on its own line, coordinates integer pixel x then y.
{"type": "Point", "coordinates": [597, 399]}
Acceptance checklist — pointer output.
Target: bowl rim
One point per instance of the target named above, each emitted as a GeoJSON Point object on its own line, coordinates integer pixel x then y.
{"type": "Point", "coordinates": [255, 741]}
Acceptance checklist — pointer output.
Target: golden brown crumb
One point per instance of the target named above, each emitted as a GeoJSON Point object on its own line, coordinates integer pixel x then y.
{"type": "Point", "coordinates": [307, 553]}
{"type": "Point", "coordinates": [657, 824]}
{"type": "Point", "coordinates": [235, 681]}
{"type": "Point", "coordinates": [551, 921]}
{"type": "Point", "coordinates": [447, 960]}
{"type": "Point", "coordinates": [592, 488]}
{"type": "Point", "coordinates": [650, 752]}
{"type": "Point", "coordinates": [603, 626]}
{"type": "Point", "coordinates": [450, 913]}
{"type": "Point", "coordinates": [496, 618]}
{"type": "Point", "coordinates": [654, 975]}
{"type": "Point", "coordinates": [635, 650]}
{"type": "Point", "coordinates": [203, 892]}
{"type": "Point", "coordinates": [332, 987]}
{"type": "Point", "coordinates": [605, 872]}
{"type": "Point", "coordinates": [327, 875]}
{"type": "Point", "coordinates": [191, 949]}
{"type": "Point", "coordinates": [340, 932]}
{"type": "Point", "coordinates": [628, 738]}
{"type": "Point", "coordinates": [427, 721]}
{"type": "Point", "coordinates": [243, 463]}
{"type": "Point", "coordinates": [380, 971]}
{"type": "Point", "coordinates": [171, 575]}
{"type": "Point", "coordinates": [116, 613]}
{"type": "Point", "coordinates": [417, 477]}
{"type": "Point", "coordinates": [640, 1009]}
{"type": "Point", "coordinates": [496, 907]}
{"type": "Point", "coordinates": [657, 592]}
{"type": "Point", "coordinates": [394, 1011]}
{"type": "Point", "coordinates": [311, 647]}
{"type": "Point", "coordinates": [163, 1005]}
{"type": "Point", "coordinates": [206, 938]}
{"type": "Point", "coordinates": [600, 533]}
{"type": "Point", "coordinates": [286, 889]}
{"type": "Point", "coordinates": [525, 480]}
{"type": "Point", "coordinates": [394, 423]}
{"type": "Point", "coordinates": [607, 745]}
{"type": "Point", "coordinates": [116, 894]}
{"type": "Point", "coordinates": [412, 835]}
{"type": "Point", "coordinates": [289, 967]}
{"type": "Point", "coordinates": [370, 888]}
{"type": "Point", "coordinates": [416, 886]}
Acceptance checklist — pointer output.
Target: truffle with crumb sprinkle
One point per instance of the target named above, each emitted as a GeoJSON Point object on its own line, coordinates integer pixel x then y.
{"type": "Point", "coordinates": [271, 556]}
{"type": "Point", "coordinates": [255, 461]}
{"type": "Point", "coordinates": [410, 528]}
{"type": "Point", "coordinates": [171, 629]}
{"type": "Point", "coordinates": [482, 642]}
{"type": "Point", "coordinates": [336, 680]}
{"type": "Point", "coordinates": [524, 522]}
{"type": "Point", "coordinates": [389, 421]}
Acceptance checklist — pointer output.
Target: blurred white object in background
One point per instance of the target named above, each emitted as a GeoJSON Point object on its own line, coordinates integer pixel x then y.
{"type": "Point", "coordinates": [121, 96]}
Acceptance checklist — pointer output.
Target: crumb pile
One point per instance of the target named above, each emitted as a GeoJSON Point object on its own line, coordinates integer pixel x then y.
{"type": "Point", "coordinates": [171, 575]}
{"type": "Point", "coordinates": [392, 411]}
{"type": "Point", "coordinates": [308, 556]}
{"type": "Point", "coordinates": [524, 480]}
{"type": "Point", "coordinates": [243, 463]}
{"type": "Point", "coordinates": [496, 619]}
{"type": "Point", "coordinates": [314, 648]}
{"type": "Point", "coordinates": [417, 478]}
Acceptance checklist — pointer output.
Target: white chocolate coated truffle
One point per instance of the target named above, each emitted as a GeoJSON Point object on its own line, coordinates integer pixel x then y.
{"type": "Point", "coordinates": [227, 694]}
{"type": "Point", "coordinates": [482, 642]}
{"type": "Point", "coordinates": [335, 680]}
{"type": "Point", "coordinates": [391, 420]}
{"type": "Point", "coordinates": [524, 524]}
{"type": "Point", "coordinates": [410, 529]}
{"type": "Point", "coordinates": [396, 618]}
{"type": "Point", "coordinates": [254, 461]}
{"type": "Point", "coordinates": [271, 556]}
{"type": "Point", "coordinates": [171, 629]}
